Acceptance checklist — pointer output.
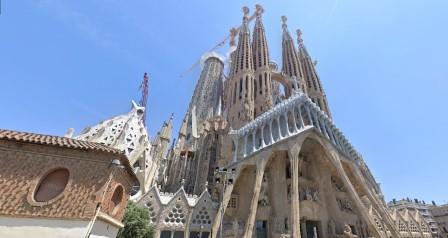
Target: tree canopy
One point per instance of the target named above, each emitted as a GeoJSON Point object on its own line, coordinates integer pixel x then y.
{"type": "Point", "coordinates": [136, 223]}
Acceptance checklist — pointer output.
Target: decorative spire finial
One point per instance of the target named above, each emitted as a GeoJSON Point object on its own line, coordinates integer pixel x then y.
{"type": "Point", "coordinates": [206, 186]}
{"type": "Point", "coordinates": [182, 183]}
{"type": "Point", "coordinates": [284, 20]}
{"type": "Point", "coordinates": [299, 37]}
{"type": "Point", "coordinates": [258, 10]}
{"type": "Point", "coordinates": [172, 116]}
{"type": "Point", "coordinates": [246, 13]}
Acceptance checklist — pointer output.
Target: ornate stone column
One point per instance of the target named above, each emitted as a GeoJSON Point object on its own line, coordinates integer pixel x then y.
{"type": "Point", "coordinates": [225, 201]}
{"type": "Point", "coordinates": [254, 202]}
{"type": "Point", "coordinates": [293, 154]}
{"type": "Point", "coordinates": [303, 227]}
{"type": "Point", "coordinates": [157, 232]}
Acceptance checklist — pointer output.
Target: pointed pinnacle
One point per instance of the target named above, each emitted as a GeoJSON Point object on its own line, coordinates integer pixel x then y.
{"type": "Point", "coordinates": [258, 10]}
{"type": "Point", "coordinates": [284, 20]}
{"type": "Point", "coordinates": [299, 36]}
{"type": "Point", "coordinates": [246, 11]}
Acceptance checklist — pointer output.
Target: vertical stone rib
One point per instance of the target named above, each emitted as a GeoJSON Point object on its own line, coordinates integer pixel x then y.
{"type": "Point", "coordinates": [295, 216]}
{"type": "Point", "coordinates": [254, 202]}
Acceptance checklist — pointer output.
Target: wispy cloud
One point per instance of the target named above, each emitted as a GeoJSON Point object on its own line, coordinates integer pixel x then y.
{"type": "Point", "coordinates": [333, 8]}
{"type": "Point", "coordinates": [65, 12]}
{"type": "Point", "coordinates": [86, 108]}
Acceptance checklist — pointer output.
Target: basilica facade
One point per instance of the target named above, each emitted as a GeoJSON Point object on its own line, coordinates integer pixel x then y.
{"type": "Point", "coordinates": [257, 155]}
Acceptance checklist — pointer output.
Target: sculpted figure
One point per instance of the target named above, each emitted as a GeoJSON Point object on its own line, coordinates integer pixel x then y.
{"type": "Point", "coordinates": [348, 232]}
{"type": "Point", "coordinates": [235, 227]}
{"type": "Point", "coordinates": [331, 227]}
{"type": "Point", "coordinates": [309, 197]}
{"type": "Point", "coordinates": [316, 195]}
{"type": "Point", "coordinates": [264, 200]}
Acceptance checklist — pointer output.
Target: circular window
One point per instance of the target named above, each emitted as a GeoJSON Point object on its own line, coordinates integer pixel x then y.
{"type": "Point", "coordinates": [51, 185]}
{"type": "Point", "coordinates": [116, 199]}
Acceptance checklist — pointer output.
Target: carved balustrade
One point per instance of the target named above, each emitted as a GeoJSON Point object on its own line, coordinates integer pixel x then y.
{"type": "Point", "coordinates": [285, 120]}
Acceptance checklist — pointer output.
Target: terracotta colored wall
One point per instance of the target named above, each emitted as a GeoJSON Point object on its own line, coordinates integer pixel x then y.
{"type": "Point", "coordinates": [22, 166]}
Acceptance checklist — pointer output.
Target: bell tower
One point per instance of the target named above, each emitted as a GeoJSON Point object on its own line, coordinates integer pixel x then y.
{"type": "Point", "coordinates": [262, 80]}
{"type": "Point", "coordinates": [240, 88]}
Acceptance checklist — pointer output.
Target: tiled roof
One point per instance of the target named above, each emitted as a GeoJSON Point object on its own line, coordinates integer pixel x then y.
{"type": "Point", "coordinates": [55, 141]}
{"type": "Point", "coordinates": [65, 142]}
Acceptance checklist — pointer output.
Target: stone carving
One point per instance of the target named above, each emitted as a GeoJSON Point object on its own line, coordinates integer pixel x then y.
{"type": "Point", "coordinates": [337, 184]}
{"type": "Point", "coordinates": [263, 198]}
{"type": "Point", "coordinates": [310, 194]}
{"type": "Point", "coordinates": [345, 205]}
{"type": "Point", "coordinates": [348, 233]}
{"type": "Point", "coordinates": [331, 227]}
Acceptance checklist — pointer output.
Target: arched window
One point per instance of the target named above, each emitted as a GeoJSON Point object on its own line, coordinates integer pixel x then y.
{"type": "Point", "coordinates": [51, 185]}
{"type": "Point", "coordinates": [234, 93]}
{"type": "Point", "coordinates": [241, 87]}
{"type": "Point", "coordinates": [247, 86]}
{"type": "Point", "coordinates": [266, 82]}
{"type": "Point", "coordinates": [255, 89]}
{"type": "Point", "coordinates": [116, 199]}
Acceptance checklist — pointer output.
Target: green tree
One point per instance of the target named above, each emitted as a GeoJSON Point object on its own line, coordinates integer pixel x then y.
{"type": "Point", "coordinates": [136, 223]}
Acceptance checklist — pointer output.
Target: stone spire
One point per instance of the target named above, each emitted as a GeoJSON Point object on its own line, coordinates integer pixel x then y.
{"type": "Point", "coordinates": [291, 64]}
{"type": "Point", "coordinates": [167, 129]}
{"type": "Point", "coordinates": [162, 141]}
{"type": "Point", "coordinates": [314, 87]}
{"type": "Point", "coordinates": [181, 139]}
{"type": "Point", "coordinates": [160, 147]}
{"type": "Point", "coordinates": [243, 52]}
{"type": "Point", "coordinates": [262, 82]}
{"type": "Point", "coordinates": [240, 103]}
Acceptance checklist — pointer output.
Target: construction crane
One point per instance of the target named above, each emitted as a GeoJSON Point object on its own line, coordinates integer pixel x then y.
{"type": "Point", "coordinates": [232, 36]}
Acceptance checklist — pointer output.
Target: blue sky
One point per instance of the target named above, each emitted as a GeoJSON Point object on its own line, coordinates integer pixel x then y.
{"type": "Point", "coordinates": [382, 63]}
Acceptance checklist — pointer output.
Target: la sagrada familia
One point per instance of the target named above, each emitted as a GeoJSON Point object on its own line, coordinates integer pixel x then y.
{"type": "Point", "coordinates": [257, 154]}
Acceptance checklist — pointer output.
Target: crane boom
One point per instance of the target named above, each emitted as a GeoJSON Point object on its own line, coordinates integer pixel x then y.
{"type": "Point", "coordinates": [234, 31]}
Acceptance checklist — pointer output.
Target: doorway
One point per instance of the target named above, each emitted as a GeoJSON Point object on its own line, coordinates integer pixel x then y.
{"type": "Point", "coordinates": [311, 229]}
{"type": "Point", "coordinates": [261, 227]}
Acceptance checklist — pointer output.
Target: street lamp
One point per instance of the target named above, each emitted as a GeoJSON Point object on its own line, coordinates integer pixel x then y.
{"type": "Point", "coordinates": [225, 177]}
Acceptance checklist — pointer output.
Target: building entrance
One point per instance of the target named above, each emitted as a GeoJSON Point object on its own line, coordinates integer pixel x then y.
{"type": "Point", "coordinates": [261, 229]}
{"type": "Point", "coordinates": [310, 229]}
